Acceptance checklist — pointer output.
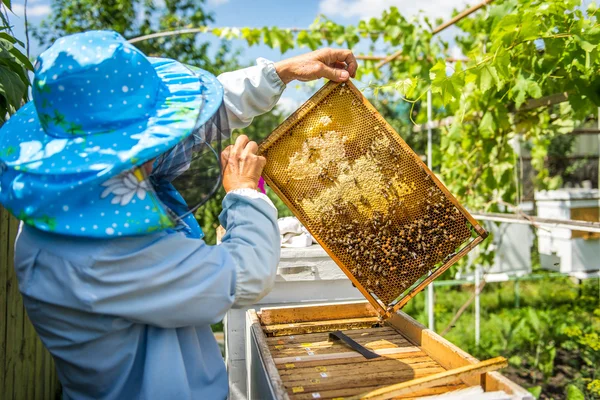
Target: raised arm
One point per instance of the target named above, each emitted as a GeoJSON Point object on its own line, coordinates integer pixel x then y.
{"type": "Point", "coordinates": [253, 91]}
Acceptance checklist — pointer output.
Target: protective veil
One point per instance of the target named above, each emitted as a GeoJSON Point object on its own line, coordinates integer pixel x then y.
{"type": "Point", "coordinates": [188, 175]}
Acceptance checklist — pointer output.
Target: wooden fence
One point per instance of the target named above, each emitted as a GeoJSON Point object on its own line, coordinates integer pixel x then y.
{"type": "Point", "coordinates": [26, 368]}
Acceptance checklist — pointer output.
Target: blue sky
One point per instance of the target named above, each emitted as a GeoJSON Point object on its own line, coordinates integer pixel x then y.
{"type": "Point", "coordinates": [258, 13]}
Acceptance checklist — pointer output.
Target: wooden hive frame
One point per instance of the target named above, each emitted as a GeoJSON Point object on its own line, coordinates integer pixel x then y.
{"type": "Point", "coordinates": [417, 361]}
{"type": "Point", "coordinates": [385, 310]}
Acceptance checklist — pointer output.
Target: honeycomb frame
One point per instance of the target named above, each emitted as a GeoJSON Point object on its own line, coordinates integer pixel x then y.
{"type": "Point", "coordinates": [366, 197]}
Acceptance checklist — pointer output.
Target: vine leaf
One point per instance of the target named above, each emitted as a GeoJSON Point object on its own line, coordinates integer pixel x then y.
{"type": "Point", "coordinates": [524, 87]}
{"type": "Point", "coordinates": [487, 78]}
{"type": "Point", "coordinates": [585, 45]}
{"type": "Point", "coordinates": [449, 87]}
{"type": "Point", "coordinates": [487, 126]}
{"type": "Point", "coordinates": [406, 86]}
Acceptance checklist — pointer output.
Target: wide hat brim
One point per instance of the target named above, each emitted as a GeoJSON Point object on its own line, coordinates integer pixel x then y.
{"type": "Point", "coordinates": [188, 99]}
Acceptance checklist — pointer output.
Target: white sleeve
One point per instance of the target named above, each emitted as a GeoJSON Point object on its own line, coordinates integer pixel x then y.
{"type": "Point", "coordinates": [250, 92]}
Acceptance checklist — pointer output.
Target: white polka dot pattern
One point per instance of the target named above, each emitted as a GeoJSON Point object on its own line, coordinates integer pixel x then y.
{"type": "Point", "coordinates": [100, 108]}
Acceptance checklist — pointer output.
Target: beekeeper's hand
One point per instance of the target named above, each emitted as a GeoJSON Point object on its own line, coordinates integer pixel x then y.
{"type": "Point", "coordinates": [334, 64]}
{"type": "Point", "coordinates": [241, 165]}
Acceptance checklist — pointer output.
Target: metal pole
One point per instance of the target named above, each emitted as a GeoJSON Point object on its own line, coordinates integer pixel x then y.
{"type": "Point", "coordinates": [430, 294]}
{"type": "Point", "coordinates": [429, 131]}
{"type": "Point", "coordinates": [477, 305]}
{"type": "Point", "coordinates": [537, 222]}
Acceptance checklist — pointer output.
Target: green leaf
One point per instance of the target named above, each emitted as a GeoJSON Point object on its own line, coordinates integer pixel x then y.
{"type": "Point", "coordinates": [506, 176]}
{"type": "Point", "coordinates": [487, 78]}
{"type": "Point", "coordinates": [536, 391]}
{"type": "Point", "coordinates": [585, 45]}
{"type": "Point", "coordinates": [515, 361]}
{"type": "Point", "coordinates": [449, 87]}
{"type": "Point", "coordinates": [12, 87]}
{"type": "Point", "coordinates": [534, 89]}
{"type": "Point", "coordinates": [351, 37]}
{"type": "Point", "coordinates": [487, 126]}
{"type": "Point", "coordinates": [7, 37]}
{"type": "Point", "coordinates": [406, 86]}
{"type": "Point", "coordinates": [438, 71]}
{"type": "Point", "coordinates": [286, 40]}
{"type": "Point", "coordinates": [252, 36]}
{"type": "Point", "coordinates": [502, 63]}
{"type": "Point", "coordinates": [489, 179]}
{"type": "Point", "coordinates": [393, 31]}
{"type": "Point", "coordinates": [529, 29]}
{"type": "Point", "coordinates": [7, 4]}
{"type": "Point", "coordinates": [524, 88]}
{"type": "Point", "coordinates": [22, 58]}
{"type": "Point", "coordinates": [574, 393]}
{"type": "Point", "coordinates": [268, 37]}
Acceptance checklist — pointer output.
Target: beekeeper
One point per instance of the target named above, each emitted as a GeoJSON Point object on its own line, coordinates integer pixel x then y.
{"type": "Point", "coordinates": [106, 167]}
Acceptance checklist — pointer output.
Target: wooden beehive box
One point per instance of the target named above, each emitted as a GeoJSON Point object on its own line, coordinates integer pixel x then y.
{"type": "Point", "coordinates": [292, 357]}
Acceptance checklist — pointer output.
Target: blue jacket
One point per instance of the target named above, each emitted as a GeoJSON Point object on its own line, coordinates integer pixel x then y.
{"type": "Point", "coordinates": [129, 318]}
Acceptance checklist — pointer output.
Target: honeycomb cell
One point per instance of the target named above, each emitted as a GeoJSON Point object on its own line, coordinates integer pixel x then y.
{"type": "Point", "coordinates": [364, 194]}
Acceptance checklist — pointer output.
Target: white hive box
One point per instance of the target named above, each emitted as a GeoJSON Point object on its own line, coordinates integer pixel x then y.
{"type": "Point", "coordinates": [513, 249]}
{"type": "Point", "coordinates": [563, 250]}
{"type": "Point", "coordinates": [512, 245]}
{"type": "Point", "coordinates": [304, 276]}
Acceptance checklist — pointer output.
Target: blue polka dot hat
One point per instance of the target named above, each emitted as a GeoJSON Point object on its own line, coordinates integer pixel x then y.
{"type": "Point", "coordinates": [70, 160]}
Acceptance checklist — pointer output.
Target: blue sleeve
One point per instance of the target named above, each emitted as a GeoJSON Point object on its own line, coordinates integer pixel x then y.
{"type": "Point", "coordinates": [174, 281]}
{"type": "Point", "coordinates": [253, 241]}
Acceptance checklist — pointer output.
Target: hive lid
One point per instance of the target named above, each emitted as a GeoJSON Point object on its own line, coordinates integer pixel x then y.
{"type": "Point", "coordinates": [366, 197]}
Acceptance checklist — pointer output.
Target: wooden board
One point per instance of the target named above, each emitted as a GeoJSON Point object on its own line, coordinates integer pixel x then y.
{"type": "Point", "coordinates": [292, 314]}
{"type": "Point", "coordinates": [321, 326]}
{"type": "Point", "coordinates": [306, 365]}
{"type": "Point", "coordinates": [443, 377]}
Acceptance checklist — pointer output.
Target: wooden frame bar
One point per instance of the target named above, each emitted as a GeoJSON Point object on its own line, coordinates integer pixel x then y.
{"type": "Point", "coordinates": [433, 380]}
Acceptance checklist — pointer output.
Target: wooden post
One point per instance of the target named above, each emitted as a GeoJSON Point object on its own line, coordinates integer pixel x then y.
{"type": "Point", "coordinates": [4, 266]}
{"type": "Point", "coordinates": [26, 368]}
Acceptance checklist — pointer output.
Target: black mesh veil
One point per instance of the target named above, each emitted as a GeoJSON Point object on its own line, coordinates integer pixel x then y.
{"type": "Point", "coordinates": [189, 174]}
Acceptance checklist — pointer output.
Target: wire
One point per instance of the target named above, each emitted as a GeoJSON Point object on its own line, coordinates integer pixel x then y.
{"type": "Point", "coordinates": [26, 29]}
